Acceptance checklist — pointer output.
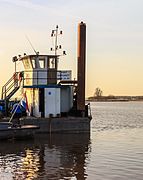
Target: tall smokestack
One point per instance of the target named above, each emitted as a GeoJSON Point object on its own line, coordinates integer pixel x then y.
{"type": "Point", "coordinates": [81, 66]}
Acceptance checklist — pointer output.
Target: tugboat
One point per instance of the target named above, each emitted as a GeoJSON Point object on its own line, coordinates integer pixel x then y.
{"type": "Point", "coordinates": [54, 101]}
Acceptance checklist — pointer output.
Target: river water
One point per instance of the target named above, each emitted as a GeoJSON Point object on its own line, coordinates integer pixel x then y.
{"type": "Point", "coordinates": [113, 149]}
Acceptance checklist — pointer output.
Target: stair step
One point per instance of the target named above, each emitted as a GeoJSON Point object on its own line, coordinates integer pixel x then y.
{"type": "Point", "coordinates": [12, 93]}
{"type": "Point", "coordinates": [10, 88]}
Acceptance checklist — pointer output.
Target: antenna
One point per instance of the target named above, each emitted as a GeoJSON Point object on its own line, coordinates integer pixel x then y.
{"type": "Point", "coordinates": [37, 53]}
{"type": "Point", "coordinates": [55, 33]}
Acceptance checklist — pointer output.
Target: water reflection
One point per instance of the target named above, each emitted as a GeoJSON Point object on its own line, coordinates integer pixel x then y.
{"type": "Point", "coordinates": [53, 156]}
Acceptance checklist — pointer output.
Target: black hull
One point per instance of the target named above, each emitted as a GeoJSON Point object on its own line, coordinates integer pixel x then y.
{"type": "Point", "coordinates": [23, 132]}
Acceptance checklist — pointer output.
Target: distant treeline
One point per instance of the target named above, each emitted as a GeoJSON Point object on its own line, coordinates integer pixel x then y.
{"type": "Point", "coordinates": [115, 98]}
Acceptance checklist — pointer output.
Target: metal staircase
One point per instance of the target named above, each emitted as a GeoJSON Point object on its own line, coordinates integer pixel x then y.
{"type": "Point", "coordinates": [11, 87]}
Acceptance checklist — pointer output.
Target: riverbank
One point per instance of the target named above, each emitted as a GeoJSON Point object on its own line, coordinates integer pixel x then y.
{"type": "Point", "coordinates": [115, 98]}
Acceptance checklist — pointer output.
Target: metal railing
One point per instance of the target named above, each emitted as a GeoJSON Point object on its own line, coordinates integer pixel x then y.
{"type": "Point", "coordinates": [11, 86]}
{"type": "Point", "coordinates": [30, 78]}
{"type": "Point", "coordinates": [41, 77]}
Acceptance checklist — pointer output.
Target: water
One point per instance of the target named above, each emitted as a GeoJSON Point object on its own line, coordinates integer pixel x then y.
{"type": "Point", "coordinates": [113, 150]}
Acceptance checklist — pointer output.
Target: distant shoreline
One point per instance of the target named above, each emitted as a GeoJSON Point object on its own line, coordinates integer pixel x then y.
{"type": "Point", "coordinates": [115, 98]}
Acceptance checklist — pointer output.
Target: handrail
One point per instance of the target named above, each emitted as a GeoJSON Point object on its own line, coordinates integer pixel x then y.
{"type": "Point", "coordinates": [50, 74]}
{"type": "Point", "coordinates": [12, 78]}
{"type": "Point", "coordinates": [14, 82]}
{"type": "Point", "coordinates": [11, 83]}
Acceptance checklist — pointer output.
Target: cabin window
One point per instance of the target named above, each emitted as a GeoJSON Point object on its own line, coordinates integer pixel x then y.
{"type": "Point", "coordinates": [33, 63]}
{"type": "Point", "coordinates": [52, 63]}
{"type": "Point", "coordinates": [42, 63]}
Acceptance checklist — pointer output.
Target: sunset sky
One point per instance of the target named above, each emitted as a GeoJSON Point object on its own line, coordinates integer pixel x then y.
{"type": "Point", "coordinates": [114, 39]}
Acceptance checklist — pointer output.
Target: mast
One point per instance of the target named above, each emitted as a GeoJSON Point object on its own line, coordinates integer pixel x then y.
{"type": "Point", "coordinates": [55, 33]}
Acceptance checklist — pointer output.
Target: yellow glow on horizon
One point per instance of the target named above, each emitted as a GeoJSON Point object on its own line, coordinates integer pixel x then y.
{"type": "Point", "coordinates": [114, 39]}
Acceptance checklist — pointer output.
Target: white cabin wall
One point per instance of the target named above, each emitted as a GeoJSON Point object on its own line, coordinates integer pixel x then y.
{"type": "Point", "coordinates": [52, 102]}
{"type": "Point", "coordinates": [57, 101]}
{"type": "Point", "coordinates": [33, 101]}
{"type": "Point", "coordinates": [28, 76]}
{"type": "Point", "coordinates": [29, 95]}
{"type": "Point", "coordinates": [36, 112]}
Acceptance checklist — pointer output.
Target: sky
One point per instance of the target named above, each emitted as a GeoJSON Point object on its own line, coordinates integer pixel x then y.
{"type": "Point", "coordinates": [114, 39]}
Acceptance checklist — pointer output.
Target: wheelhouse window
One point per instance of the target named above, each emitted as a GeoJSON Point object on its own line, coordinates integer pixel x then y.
{"type": "Point", "coordinates": [42, 63]}
{"type": "Point", "coordinates": [33, 63]}
{"type": "Point", "coordinates": [52, 63]}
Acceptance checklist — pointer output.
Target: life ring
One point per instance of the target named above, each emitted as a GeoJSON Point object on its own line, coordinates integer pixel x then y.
{"type": "Point", "coordinates": [20, 75]}
{"type": "Point", "coordinates": [15, 77]}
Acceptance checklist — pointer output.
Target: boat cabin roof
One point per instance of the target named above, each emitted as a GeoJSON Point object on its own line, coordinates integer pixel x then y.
{"type": "Point", "coordinates": [39, 61]}
{"type": "Point", "coordinates": [36, 56]}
